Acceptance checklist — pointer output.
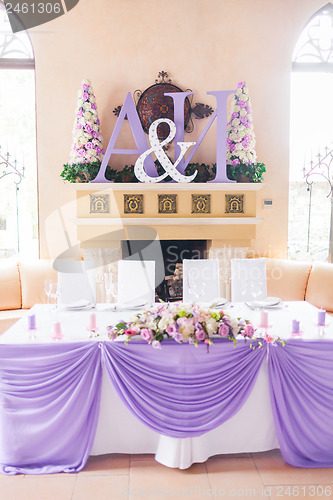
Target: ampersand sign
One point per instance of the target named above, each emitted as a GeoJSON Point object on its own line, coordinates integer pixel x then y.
{"type": "Point", "coordinates": [157, 147]}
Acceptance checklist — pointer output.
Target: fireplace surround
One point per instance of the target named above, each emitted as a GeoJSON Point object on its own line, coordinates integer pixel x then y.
{"type": "Point", "coordinates": [116, 220]}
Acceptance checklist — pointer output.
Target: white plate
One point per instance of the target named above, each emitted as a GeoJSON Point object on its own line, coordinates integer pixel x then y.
{"type": "Point", "coordinates": [77, 306]}
{"type": "Point", "coordinates": [221, 301]}
{"type": "Point", "coordinates": [266, 303]}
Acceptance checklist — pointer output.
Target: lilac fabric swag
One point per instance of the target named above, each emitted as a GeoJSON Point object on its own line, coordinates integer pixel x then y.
{"type": "Point", "coordinates": [301, 387]}
{"type": "Point", "coordinates": [50, 395]}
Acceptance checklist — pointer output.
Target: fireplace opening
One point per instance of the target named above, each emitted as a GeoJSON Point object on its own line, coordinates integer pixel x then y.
{"type": "Point", "coordinates": [168, 256]}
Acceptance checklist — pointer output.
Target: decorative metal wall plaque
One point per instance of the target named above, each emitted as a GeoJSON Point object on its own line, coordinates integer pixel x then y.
{"type": "Point", "coordinates": [99, 204]}
{"type": "Point", "coordinates": [133, 203]}
{"type": "Point", "coordinates": [200, 204]}
{"type": "Point", "coordinates": [234, 203]}
{"type": "Point", "coordinates": [167, 203]}
{"type": "Point", "coordinates": [152, 104]}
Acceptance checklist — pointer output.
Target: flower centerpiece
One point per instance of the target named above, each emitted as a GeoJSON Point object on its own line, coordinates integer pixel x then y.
{"type": "Point", "coordinates": [183, 323]}
{"type": "Point", "coordinates": [241, 154]}
{"type": "Point", "coordinates": [87, 149]}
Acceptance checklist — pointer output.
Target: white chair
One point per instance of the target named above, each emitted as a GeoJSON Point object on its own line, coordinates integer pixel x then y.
{"type": "Point", "coordinates": [248, 280]}
{"type": "Point", "coordinates": [201, 282]}
{"type": "Point", "coordinates": [77, 282]}
{"type": "Point", "coordinates": [136, 282]}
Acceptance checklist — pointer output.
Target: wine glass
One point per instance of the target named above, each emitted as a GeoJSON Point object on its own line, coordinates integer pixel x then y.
{"type": "Point", "coordinates": [55, 293]}
{"type": "Point", "coordinates": [48, 289]}
{"type": "Point", "coordinates": [109, 286]}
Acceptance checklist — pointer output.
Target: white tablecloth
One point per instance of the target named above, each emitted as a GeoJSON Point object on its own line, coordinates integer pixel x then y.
{"type": "Point", "coordinates": [118, 431]}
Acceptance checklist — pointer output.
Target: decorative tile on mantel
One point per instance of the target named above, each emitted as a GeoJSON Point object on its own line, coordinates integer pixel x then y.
{"type": "Point", "coordinates": [234, 203]}
{"type": "Point", "coordinates": [167, 203]}
{"type": "Point", "coordinates": [99, 203]}
{"type": "Point", "coordinates": [200, 203]}
{"type": "Point", "coordinates": [133, 203]}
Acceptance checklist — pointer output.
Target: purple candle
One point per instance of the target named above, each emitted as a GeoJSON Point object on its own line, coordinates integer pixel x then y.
{"type": "Point", "coordinates": [295, 326]}
{"type": "Point", "coordinates": [321, 317]}
{"type": "Point", "coordinates": [32, 322]}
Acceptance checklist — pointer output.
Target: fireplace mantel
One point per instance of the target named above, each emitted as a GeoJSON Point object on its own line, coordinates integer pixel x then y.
{"type": "Point", "coordinates": [183, 221]}
{"type": "Point", "coordinates": [206, 187]}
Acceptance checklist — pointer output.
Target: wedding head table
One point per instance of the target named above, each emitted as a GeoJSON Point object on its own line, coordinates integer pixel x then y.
{"type": "Point", "coordinates": [61, 401]}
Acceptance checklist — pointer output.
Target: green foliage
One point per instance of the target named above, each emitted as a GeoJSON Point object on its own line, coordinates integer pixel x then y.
{"type": "Point", "coordinates": [85, 172]}
{"type": "Point", "coordinates": [246, 173]}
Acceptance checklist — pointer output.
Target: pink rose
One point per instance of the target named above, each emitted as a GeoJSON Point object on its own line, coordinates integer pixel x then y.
{"type": "Point", "coordinates": [248, 331]}
{"type": "Point", "coordinates": [200, 334]}
{"type": "Point", "coordinates": [224, 330]}
{"type": "Point", "coordinates": [146, 334]}
{"type": "Point", "coordinates": [235, 115]}
{"type": "Point", "coordinates": [235, 162]}
{"type": "Point", "coordinates": [240, 85]}
{"type": "Point", "coordinates": [85, 86]}
{"type": "Point", "coordinates": [81, 152]}
{"type": "Point", "coordinates": [88, 128]}
{"type": "Point", "coordinates": [93, 106]}
{"type": "Point", "coordinates": [89, 145]}
{"type": "Point", "coordinates": [242, 104]}
{"type": "Point", "coordinates": [172, 330]}
{"type": "Point", "coordinates": [232, 147]}
{"type": "Point", "coordinates": [85, 96]}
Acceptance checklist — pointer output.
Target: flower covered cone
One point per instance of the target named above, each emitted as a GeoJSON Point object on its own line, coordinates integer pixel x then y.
{"type": "Point", "coordinates": [87, 140]}
{"type": "Point", "coordinates": [240, 134]}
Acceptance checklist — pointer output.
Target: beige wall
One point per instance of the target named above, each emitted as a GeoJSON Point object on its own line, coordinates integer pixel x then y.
{"type": "Point", "coordinates": [204, 45]}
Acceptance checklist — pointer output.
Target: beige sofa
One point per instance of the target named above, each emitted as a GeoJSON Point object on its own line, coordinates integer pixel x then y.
{"type": "Point", "coordinates": [22, 285]}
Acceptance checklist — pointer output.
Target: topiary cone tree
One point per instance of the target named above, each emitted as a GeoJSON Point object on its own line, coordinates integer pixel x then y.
{"type": "Point", "coordinates": [87, 149]}
{"type": "Point", "coordinates": [241, 153]}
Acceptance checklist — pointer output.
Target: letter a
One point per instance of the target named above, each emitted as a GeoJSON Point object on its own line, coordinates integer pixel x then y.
{"type": "Point", "coordinates": [128, 109]}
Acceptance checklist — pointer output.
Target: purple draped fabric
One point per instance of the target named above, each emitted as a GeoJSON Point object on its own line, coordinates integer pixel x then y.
{"type": "Point", "coordinates": [301, 387]}
{"type": "Point", "coordinates": [49, 405]}
{"type": "Point", "coordinates": [180, 390]}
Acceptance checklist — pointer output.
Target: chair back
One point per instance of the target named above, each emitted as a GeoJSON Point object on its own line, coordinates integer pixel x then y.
{"type": "Point", "coordinates": [77, 281]}
{"type": "Point", "coordinates": [201, 281]}
{"type": "Point", "coordinates": [136, 282]}
{"type": "Point", "coordinates": [248, 280]}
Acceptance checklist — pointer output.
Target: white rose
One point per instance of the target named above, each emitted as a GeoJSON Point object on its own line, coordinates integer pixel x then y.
{"type": "Point", "coordinates": [87, 106]}
{"type": "Point", "coordinates": [243, 97]}
{"type": "Point", "coordinates": [237, 109]}
{"type": "Point", "coordinates": [235, 122]}
{"type": "Point", "coordinates": [243, 112]}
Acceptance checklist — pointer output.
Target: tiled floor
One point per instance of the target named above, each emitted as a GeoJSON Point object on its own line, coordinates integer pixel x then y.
{"type": "Point", "coordinates": [124, 477]}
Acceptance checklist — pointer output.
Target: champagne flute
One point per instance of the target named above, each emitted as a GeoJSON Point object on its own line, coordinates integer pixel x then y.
{"type": "Point", "coordinates": [48, 289]}
{"type": "Point", "coordinates": [109, 286]}
{"type": "Point", "coordinates": [55, 294]}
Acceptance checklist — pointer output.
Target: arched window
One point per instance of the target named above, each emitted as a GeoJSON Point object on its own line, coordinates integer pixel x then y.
{"type": "Point", "coordinates": [18, 173]}
{"type": "Point", "coordinates": [311, 136]}
{"type": "Point", "coordinates": [314, 48]}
